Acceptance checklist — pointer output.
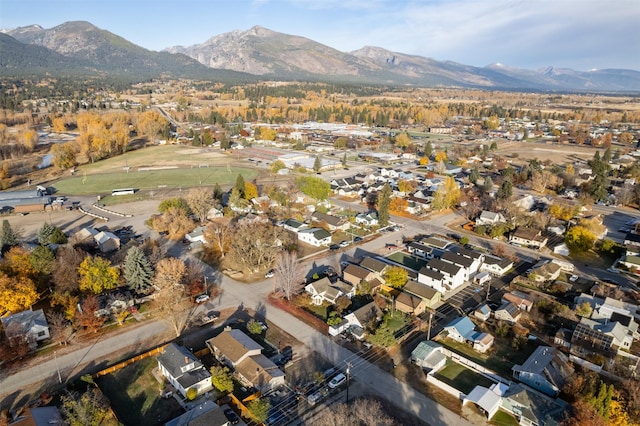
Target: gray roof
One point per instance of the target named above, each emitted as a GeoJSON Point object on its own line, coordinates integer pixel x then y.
{"type": "Point", "coordinates": [435, 242]}
{"type": "Point", "coordinates": [463, 251]}
{"type": "Point", "coordinates": [22, 322]}
{"type": "Point", "coordinates": [372, 264]}
{"type": "Point", "coordinates": [330, 219]}
{"type": "Point", "coordinates": [536, 407]}
{"type": "Point", "coordinates": [435, 275]}
{"type": "Point", "coordinates": [419, 246]}
{"type": "Point", "coordinates": [420, 290]}
{"type": "Point", "coordinates": [457, 259]}
{"type": "Point", "coordinates": [442, 266]}
{"type": "Point", "coordinates": [425, 349]}
{"type": "Point", "coordinates": [510, 308]}
{"type": "Point", "coordinates": [175, 357]}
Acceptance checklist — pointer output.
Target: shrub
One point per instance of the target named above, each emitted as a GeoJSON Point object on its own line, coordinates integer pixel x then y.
{"type": "Point", "coordinates": [254, 327]}
{"type": "Point", "coordinates": [192, 393]}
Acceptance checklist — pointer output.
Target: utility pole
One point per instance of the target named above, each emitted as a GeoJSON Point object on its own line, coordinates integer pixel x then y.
{"type": "Point", "coordinates": [55, 356]}
{"type": "Point", "coordinates": [429, 328]}
{"type": "Point", "coordinates": [348, 379]}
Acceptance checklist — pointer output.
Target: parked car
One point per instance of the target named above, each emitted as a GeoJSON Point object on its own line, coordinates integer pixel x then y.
{"type": "Point", "coordinates": [613, 270]}
{"type": "Point", "coordinates": [233, 418]}
{"type": "Point", "coordinates": [573, 278]}
{"type": "Point", "coordinates": [270, 273]}
{"type": "Point", "coordinates": [314, 398]}
{"type": "Point", "coordinates": [344, 243]}
{"type": "Point", "coordinates": [334, 247]}
{"type": "Point", "coordinates": [357, 239]}
{"type": "Point", "coordinates": [337, 381]}
{"type": "Point", "coordinates": [202, 298]}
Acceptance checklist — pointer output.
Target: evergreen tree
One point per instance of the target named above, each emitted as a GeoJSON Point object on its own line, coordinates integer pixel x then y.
{"type": "Point", "coordinates": [606, 157]}
{"type": "Point", "coordinates": [384, 201]}
{"type": "Point", "coordinates": [344, 160]}
{"type": "Point", "coordinates": [44, 234]}
{"type": "Point", "coordinates": [138, 273]}
{"type": "Point", "coordinates": [488, 185]}
{"type": "Point", "coordinates": [474, 175]}
{"type": "Point", "coordinates": [9, 238]}
{"type": "Point", "coordinates": [506, 190]}
{"type": "Point", "coordinates": [240, 185]}
{"type": "Point", "coordinates": [217, 192]}
{"type": "Point", "coordinates": [317, 164]}
{"type": "Point", "coordinates": [428, 149]}
{"type": "Point", "coordinates": [58, 237]}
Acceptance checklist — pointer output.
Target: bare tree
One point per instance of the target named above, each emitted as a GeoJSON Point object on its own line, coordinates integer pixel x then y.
{"type": "Point", "coordinates": [255, 245]}
{"type": "Point", "coordinates": [59, 327]}
{"type": "Point", "coordinates": [169, 271]}
{"type": "Point", "coordinates": [65, 272]}
{"type": "Point", "coordinates": [362, 412]}
{"type": "Point", "coordinates": [172, 303]}
{"type": "Point", "coordinates": [200, 201]}
{"type": "Point", "coordinates": [288, 273]}
{"type": "Point", "coordinates": [218, 233]}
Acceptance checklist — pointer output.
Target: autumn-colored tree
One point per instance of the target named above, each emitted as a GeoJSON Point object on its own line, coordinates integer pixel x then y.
{"type": "Point", "coordinates": [398, 204]}
{"type": "Point", "coordinates": [314, 187]}
{"type": "Point", "coordinates": [97, 275]}
{"type": "Point", "coordinates": [276, 166]}
{"type": "Point", "coordinates": [64, 155]}
{"type": "Point", "coordinates": [250, 191]}
{"type": "Point", "coordinates": [562, 211]}
{"type": "Point", "coordinates": [218, 233]}
{"type": "Point", "coordinates": [406, 186]}
{"type": "Point", "coordinates": [17, 263]}
{"type": "Point", "coordinates": [150, 123]}
{"type": "Point", "coordinates": [255, 246]}
{"type": "Point", "coordinates": [86, 316]}
{"type": "Point", "coordinates": [169, 271]}
{"type": "Point", "coordinates": [384, 205]}
{"type": "Point", "coordinates": [424, 160]}
{"type": "Point", "coordinates": [440, 156]}
{"type": "Point", "coordinates": [65, 271]}
{"type": "Point", "coordinates": [259, 409]}
{"type": "Point", "coordinates": [175, 203]}
{"type": "Point", "coordinates": [342, 303]}
{"type": "Point", "coordinates": [88, 409]}
{"type": "Point", "coordinates": [579, 239]}
{"type": "Point", "coordinates": [17, 293]}
{"type": "Point", "coordinates": [396, 276]}
{"type": "Point", "coordinates": [447, 195]}
{"type": "Point", "coordinates": [221, 378]}
{"type": "Point", "coordinates": [175, 222]}
{"type": "Point", "coordinates": [403, 140]}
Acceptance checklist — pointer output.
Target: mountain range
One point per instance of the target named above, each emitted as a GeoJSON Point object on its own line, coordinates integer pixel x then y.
{"type": "Point", "coordinates": [261, 54]}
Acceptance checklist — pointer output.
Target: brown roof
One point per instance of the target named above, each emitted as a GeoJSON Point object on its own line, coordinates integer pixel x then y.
{"type": "Point", "coordinates": [234, 344]}
{"type": "Point", "coordinates": [372, 264]}
{"type": "Point", "coordinates": [528, 234]}
{"type": "Point", "coordinates": [408, 300]}
{"type": "Point", "coordinates": [259, 370]}
{"type": "Point", "coordinates": [357, 271]}
{"type": "Point", "coordinates": [421, 290]}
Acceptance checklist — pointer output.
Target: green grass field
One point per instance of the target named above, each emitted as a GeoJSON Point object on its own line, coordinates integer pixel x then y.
{"type": "Point", "coordinates": [94, 184]}
{"type": "Point", "coordinates": [462, 378]}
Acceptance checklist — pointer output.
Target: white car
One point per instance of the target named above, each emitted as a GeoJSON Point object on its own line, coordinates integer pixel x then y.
{"type": "Point", "coordinates": [337, 381]}
{"type": "Point", "coordinates": [613, 270]}
{"type": "Point", "coordinates": [202, 298]}
{"type": "Point", "coordinates": [270, 274]}
{"type": "Point", "coordinates": [573, 278]}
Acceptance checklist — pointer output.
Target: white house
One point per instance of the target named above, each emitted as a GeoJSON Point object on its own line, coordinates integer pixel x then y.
{"type": "Point", "coordinates": [496, 266]}
{"type": "Point", "coordinates": [197, 235]}
{"type": "Point", "coordinates": [183, 370]}
{"type": "Point", "coordinates": [315, 236]}
{"type": "Point", "coordinates": [490, 218]}
{"type": "Point", "coordinates": [294, 225]}
{"type": "Point", "coordinates": [449, 276]}
{"type": "Point", "coordinates": [367, 219]}
{"type": "Point", "coordinates": [324, 290]}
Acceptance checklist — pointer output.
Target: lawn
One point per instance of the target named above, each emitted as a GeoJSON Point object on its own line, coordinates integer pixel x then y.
{"type": "Point", "coordinates": [462, 378]}
{"type": "Point", "coordinates": [396, 320]}
{"type": "Point", "coordinates": [500, 358]}
{"type": "Point", "coordinates": [319, 311]}
{"type": "Point", "coordinates": [407, 260]}
{"type": "Point", "coordinates": [502, 418]}
{"type": "Point", "coordinates": [135, 395]}
{"type": "Point", "coordinates": [159, 180]}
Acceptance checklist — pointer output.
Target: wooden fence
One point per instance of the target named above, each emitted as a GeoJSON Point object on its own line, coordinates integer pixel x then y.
{"type": "Point", "coordinates": [129, 361]}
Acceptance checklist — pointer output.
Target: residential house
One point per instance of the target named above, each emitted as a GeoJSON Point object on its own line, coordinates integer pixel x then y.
{"type": "Point", "coordinates": [467, 264]}
{"type": "Point", "coordinates": [367, 219]}
{"type": "Point", "coordinates": [426, 293]}
{"type": "Point", "coordinates": [436, 243]}
{"type": "Point", "coordinates": [183, 370]}
{"type": "Point", "coordinates": [197, 235]}
{"type": "Point", "coordinates": [451, 276]}
{"type": "Point", "coordinates": [488, 218]}
{"type": "Point", "coordinates": [316, 237]}
{"type": "Point", "coordinates": [562, 338]}
{"type": "Point", "coordinates": [205, 413]}
{"type": "Point", "coordinates": [496, 266]}
{"type": "Point", "coordinates": [240, 352]}
{"type": "Point", "coordinates": [546, 370]}
{"type": "Point", "coordinates": [418, 249]}
{"type": "Point", "coordinates": [525, 202]}
{"type": "Point", "coordinates": [562, 249]}
{"type": "Point", "coordinates": [409, 304]}
{"type": "Point", "coordinates": [508, 312]}
{"type": "Point", "coordinates": [360, 319]}
{"type": "Point", "coordinates": [461, 329]}
{"type": "Point", "coordinates": [600, 336]}
{"type": "Point", "coordinates": [476, 256]}
{"type": "Point", "coordinates": [528, 237]}
{"type": "Point", "coordinates": [26, 327]}
{"type": "Point", "coordinates": [483, 342]}
{"type": "Point", "coordinates": [324, 290]}
{"type": "Point", "coordinates": [333, 223]}
{"type": "Point", "coordinates": [519, 299]}
{"type": "Point", "coordinates": [545, 272]}
{"type": "Point", "coordinates": [428, 355]}
{"type": "Point", "coordinates": [294, 226]}
{"type": "Point", "coordinates": [533, 408]}
{"type": "Point", "coordinates": [483, 312]}
{"type": "Point", "coordinates": [632, 239]}
{"type": "Point", "coordinates": [355, 274]}
{"type": "Point", "coordinates": [376, 266]}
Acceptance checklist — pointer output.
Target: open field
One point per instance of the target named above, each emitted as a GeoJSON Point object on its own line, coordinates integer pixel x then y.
{"type": "Point", "coordinates": [153, 168]}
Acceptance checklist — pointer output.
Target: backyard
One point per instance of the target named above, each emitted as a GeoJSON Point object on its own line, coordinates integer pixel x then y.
{"type": "Point", "coordinates": [135, 395]}
{"type": "Point", "coordinates": [500, 358]}
{"type": "Point", "coordinates": [407, 260]}
{"type": "Point", "coordinates": [462, 378]}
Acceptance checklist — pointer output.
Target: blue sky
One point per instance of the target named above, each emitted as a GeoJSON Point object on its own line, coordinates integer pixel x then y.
{"type": "Point", "coordinates": [579, 34]}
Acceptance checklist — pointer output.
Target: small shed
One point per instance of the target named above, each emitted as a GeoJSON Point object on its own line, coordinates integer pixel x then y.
{"type": "Point", "coordinates": [428, 355]}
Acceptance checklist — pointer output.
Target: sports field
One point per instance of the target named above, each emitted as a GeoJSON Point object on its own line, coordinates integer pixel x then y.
{"type": "Point", "coordinates": [155, 168]}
